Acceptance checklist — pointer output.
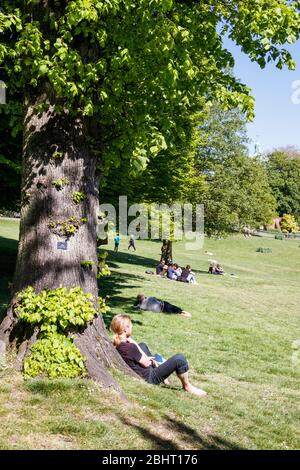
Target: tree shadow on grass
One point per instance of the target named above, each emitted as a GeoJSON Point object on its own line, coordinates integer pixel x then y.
{"type": "Point", "coordinates": [186, 434]}
{"type": "Point", "coordinates": [115, 259]}
{"type": "Point", "coordinates": [112, 286]}
{"type": "Point", "coordinates": [200, 271]}
{"type": "Point", "coordinates": [158, 442]}
{"type": "Point", "coordinates": [211, 442]}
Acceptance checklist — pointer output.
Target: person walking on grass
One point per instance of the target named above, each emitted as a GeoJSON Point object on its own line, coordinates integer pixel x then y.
{"type": "Point", "coordinates": [131, 243]}
{"type": "Point", "coordinates": [141, 360]}
{"type": "Point", "coordinates": [155, 305]}
{"type": "Point", "coordinates": [117, 240]}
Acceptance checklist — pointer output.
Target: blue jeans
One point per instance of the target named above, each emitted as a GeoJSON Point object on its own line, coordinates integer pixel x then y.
{"type": "Point", "coordinates": [177, 363]}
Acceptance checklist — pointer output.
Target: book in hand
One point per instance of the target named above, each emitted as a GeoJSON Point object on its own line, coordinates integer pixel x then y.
{"type": "Point", "coordinates": [159, 359]}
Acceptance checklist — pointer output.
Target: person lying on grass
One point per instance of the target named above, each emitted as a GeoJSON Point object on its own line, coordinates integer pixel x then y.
{"type": "Point", "coordinates": [155, 305]}
{"type": "Point", "coordinates": [140, 359]}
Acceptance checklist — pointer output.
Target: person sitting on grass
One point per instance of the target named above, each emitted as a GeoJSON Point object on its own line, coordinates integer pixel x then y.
{"type": "Point", "coordinates": [178, 270]}
{"type": "Point", "coordinates": [188, 275]}
{"type": "Point", "coordinates": [139, 358]}
{"type": "Point", "coordinates": [219, 270]}
{"type": "Point", "coordinates": [171, 274]}
{"type": "Point", "coordinates": [215, 268]}
{"type": "Point", "coordinates": [160, 268]}
{"type": "Point", "coordinates": [155, 305]}
{"type": "Point", "coordinates": [212, 267]}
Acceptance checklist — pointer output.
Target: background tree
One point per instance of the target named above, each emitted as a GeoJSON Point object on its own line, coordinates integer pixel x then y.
{"type": "Point", "coordinates": [283, 167]}
{"type": "Point", "coordinates": [224, 135]}
{"type": "Point", "coordinates": [10, 155]}
{"type": "Point", "coordinates": [237, 192]}
{"type": "Point", "coordinates": [168, 176]}
{"type": "Point", "coordinates": [102, 82]}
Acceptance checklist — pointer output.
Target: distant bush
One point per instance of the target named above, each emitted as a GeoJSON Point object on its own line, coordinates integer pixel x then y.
{"type": "Point", "coordinates": [264, 250]}
{"type": "Point", "coordinates": [288, 224]}
{"type": "Point", "coordinates": [9, 213]}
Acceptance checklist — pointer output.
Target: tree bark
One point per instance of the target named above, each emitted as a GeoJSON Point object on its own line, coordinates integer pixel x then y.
{"type": "Point", "coordinates": [167, 251]}
{"type": "Point", "coordinates": [57, 162]}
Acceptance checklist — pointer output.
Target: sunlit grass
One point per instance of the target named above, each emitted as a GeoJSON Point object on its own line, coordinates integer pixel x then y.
{"type": "Point", "coordinates": [238, 344]}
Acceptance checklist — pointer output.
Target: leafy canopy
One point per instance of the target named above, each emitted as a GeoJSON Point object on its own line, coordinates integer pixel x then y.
{"type": "Point", "coordinates": [135, 66]}
{"type": "Point", "coordinates": [238, 192]}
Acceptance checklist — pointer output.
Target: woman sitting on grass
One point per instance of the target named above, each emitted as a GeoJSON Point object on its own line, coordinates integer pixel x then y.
{"type": "Point", "coordinates": [155, 305]}
{"type": "Point", "coordinates": [178, 270]}
{"type": "Point", "coordinates": [140, 359]}
{"type": "Point", "coordinates": [219, 270]}
{"type": "Point", "coordinates": [215, 268]}
{"type": "Point", "coordinates": [161, 269]}
{"type": "Point", "coordinates": [187, 275]}
{"type": "Point", "coordinates": [171, 273]}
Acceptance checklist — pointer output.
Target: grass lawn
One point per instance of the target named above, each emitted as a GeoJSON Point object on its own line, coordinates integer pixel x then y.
{"type": "Point", "coordinates": [238, 343]}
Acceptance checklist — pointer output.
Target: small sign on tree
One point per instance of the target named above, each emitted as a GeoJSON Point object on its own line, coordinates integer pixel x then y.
{"type": "Point", "coordinates": [62, 245]}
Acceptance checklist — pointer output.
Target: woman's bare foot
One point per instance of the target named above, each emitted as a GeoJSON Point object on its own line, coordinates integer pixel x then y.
{"type": "Point", "coordinates": [186, 314]}
{"type": "Point", "coordinates": [196, 391]}
{"type": "Point", "coordinates": [166, 382]}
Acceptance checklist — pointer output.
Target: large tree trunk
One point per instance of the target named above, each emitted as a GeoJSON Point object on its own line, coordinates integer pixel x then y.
{"type": "Point", "coordinates": [167, 252]}
{"type": "Point", "coordinates": [55, 148]}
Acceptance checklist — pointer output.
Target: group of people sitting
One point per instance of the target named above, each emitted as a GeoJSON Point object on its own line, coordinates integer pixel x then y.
{"type": "Point", "coordinates": [215, 268]}
{"type": "Point", "coordinates": [174, 272]}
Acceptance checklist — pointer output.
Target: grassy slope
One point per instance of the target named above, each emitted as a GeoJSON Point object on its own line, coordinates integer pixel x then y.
{"type": "Point", "coordinates": [238, 344]}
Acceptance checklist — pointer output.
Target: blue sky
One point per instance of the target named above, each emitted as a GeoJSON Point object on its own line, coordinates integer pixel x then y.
{"type": "Point", "coordinates": [277, 120]}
